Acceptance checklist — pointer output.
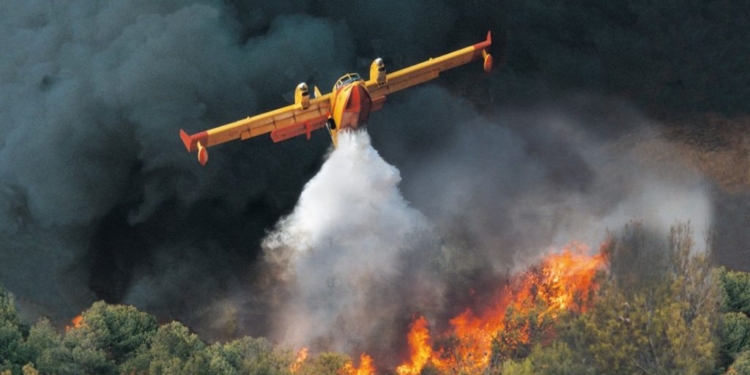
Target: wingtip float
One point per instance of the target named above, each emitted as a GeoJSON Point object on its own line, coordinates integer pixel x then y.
{"type": "Point", "coordinates": [346, 107]}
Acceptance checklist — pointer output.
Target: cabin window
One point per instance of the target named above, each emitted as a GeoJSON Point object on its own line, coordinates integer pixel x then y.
{"type": "Point", "coordinates": [347, 79]}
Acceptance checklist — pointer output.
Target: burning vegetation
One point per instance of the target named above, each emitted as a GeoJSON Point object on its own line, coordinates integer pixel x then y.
{"type": "Point", "coordinates": [75, 323]}
{"type": "Point", "coordinates": [637, 306]}
{"type": "Point", "coordinates": [520, 315]}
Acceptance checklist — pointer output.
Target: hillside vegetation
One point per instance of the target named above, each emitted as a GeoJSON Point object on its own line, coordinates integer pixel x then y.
{"type": "Point", "coordinates": [661, 308]}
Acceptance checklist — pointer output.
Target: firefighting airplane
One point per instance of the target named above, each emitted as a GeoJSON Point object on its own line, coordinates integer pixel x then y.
{"type": "Point", "coordinates": [347, 106]}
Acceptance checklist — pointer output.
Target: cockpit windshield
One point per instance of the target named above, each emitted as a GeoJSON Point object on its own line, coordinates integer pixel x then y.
{"type": "Point", "coordinates": [347, 79]}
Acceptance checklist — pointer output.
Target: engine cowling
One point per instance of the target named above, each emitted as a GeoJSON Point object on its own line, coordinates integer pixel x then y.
{"type": "Point", "coordinates": [377, 71]}
{"type": "Point", "coordinates": [302, 96]}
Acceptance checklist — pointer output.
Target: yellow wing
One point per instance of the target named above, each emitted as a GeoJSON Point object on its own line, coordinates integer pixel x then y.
{"type": "Point", "coordinates": [424, 71]}
{"type": "Point", "coordinates": [303, 117]}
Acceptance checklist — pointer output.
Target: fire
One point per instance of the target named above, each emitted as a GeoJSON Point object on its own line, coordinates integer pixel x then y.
{"type": "Point", "coordinates": [569, 275]}
{"type": "Point", "coordinates": [366, 367]}
{"type": "Point", "coordinates": [299, 360]}
{"type": "Point", "coordinates": [77, 322]}
{"type": "Point", "coordinates": [419, 346]}
{"type": "Point", "coordinates": [519, 315]}
{"type": "Point", "coordinates": [562, 281]}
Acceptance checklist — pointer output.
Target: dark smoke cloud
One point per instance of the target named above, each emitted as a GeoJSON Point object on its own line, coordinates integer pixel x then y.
{"type": "Point", "coordinates": [99, 200]}
{"type": "Point", "coordinates": [92, 97]}
{"type": "Point", "coordinates": [687, 58]}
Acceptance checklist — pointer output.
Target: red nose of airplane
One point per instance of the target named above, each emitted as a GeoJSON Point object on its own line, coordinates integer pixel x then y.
{"type": "Point", "coordinates": [360, 103]}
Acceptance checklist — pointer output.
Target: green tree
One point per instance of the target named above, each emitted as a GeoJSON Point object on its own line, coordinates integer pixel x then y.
{"type": "Point", "coordinates": [107, 336]}
{"type": "Point", "coordinates": [646, 334]}
{"type": "Point", "coordinates": [735, 336]}
{"type": "Point", "coordinates": [736, 291]}
{"type": "Point", "coordinates": [8, 311]}
{"type": "Point", "coordinates": [555, 359]}
{"type": "Point", "coordinates": [663, 326]}
{"type": "Point", "coordinates": [171, 350]}
{"type": "Point", "coordinates": [325, 364]}
{"type": "Point", "coordinates": [741, 366]}
{"type": "Point", "coordinates": [523, 367]}
{"type": "Point", "coordinates": [250, 356]}
{"type": "Point", "coordinates": [117, 330]}
{"type": "Point", "coordinates": [42, 337]}
{"type": "Point", "coordinates": [10, 334]}
{"type": "Point", "coordinates": [220, 362]}
{"type": "Point", "coordinates": [43, 346]}
{"type": "Point", "coordinates": [83, 358]}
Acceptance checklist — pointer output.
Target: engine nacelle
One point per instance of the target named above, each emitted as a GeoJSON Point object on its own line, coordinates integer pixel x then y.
{"type": "Point", "coordinates": [377, 71]}
{"type": "Point", "coordinates": [302, 96]}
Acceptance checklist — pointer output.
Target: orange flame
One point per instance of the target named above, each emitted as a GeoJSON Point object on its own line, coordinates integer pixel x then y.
{"type": "Point", "coordinates": [301, 357]}
{"type": "Point", "coordinates": [420, 349]}
{"type": "Point", "coordinates": [562, 281]}
{"type": "Point", "coordinates": [77, 322]}
{"type": "Point", "coordinates": [366, 367]}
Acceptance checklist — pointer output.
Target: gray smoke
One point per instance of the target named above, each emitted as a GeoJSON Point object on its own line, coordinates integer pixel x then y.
{"type": "Point", "coordinates": [91, 99]}
{"type": "Point", "coordinates": [99, 200]}
{"type": "Point", "coordinates": [358, 259]}
{"type": "Point", "coordinates": [528, 176]}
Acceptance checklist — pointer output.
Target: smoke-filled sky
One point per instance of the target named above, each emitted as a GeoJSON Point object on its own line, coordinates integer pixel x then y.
{"type": "Point", "coordinates": [99, 200]}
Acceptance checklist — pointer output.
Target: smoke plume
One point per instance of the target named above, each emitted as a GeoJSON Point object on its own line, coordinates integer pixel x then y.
{"type": "Point", "coordinates": [358, 259]}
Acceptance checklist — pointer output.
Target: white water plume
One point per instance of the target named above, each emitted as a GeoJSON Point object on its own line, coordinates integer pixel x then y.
{"type": "Point", "coordinates": [342, 244]}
